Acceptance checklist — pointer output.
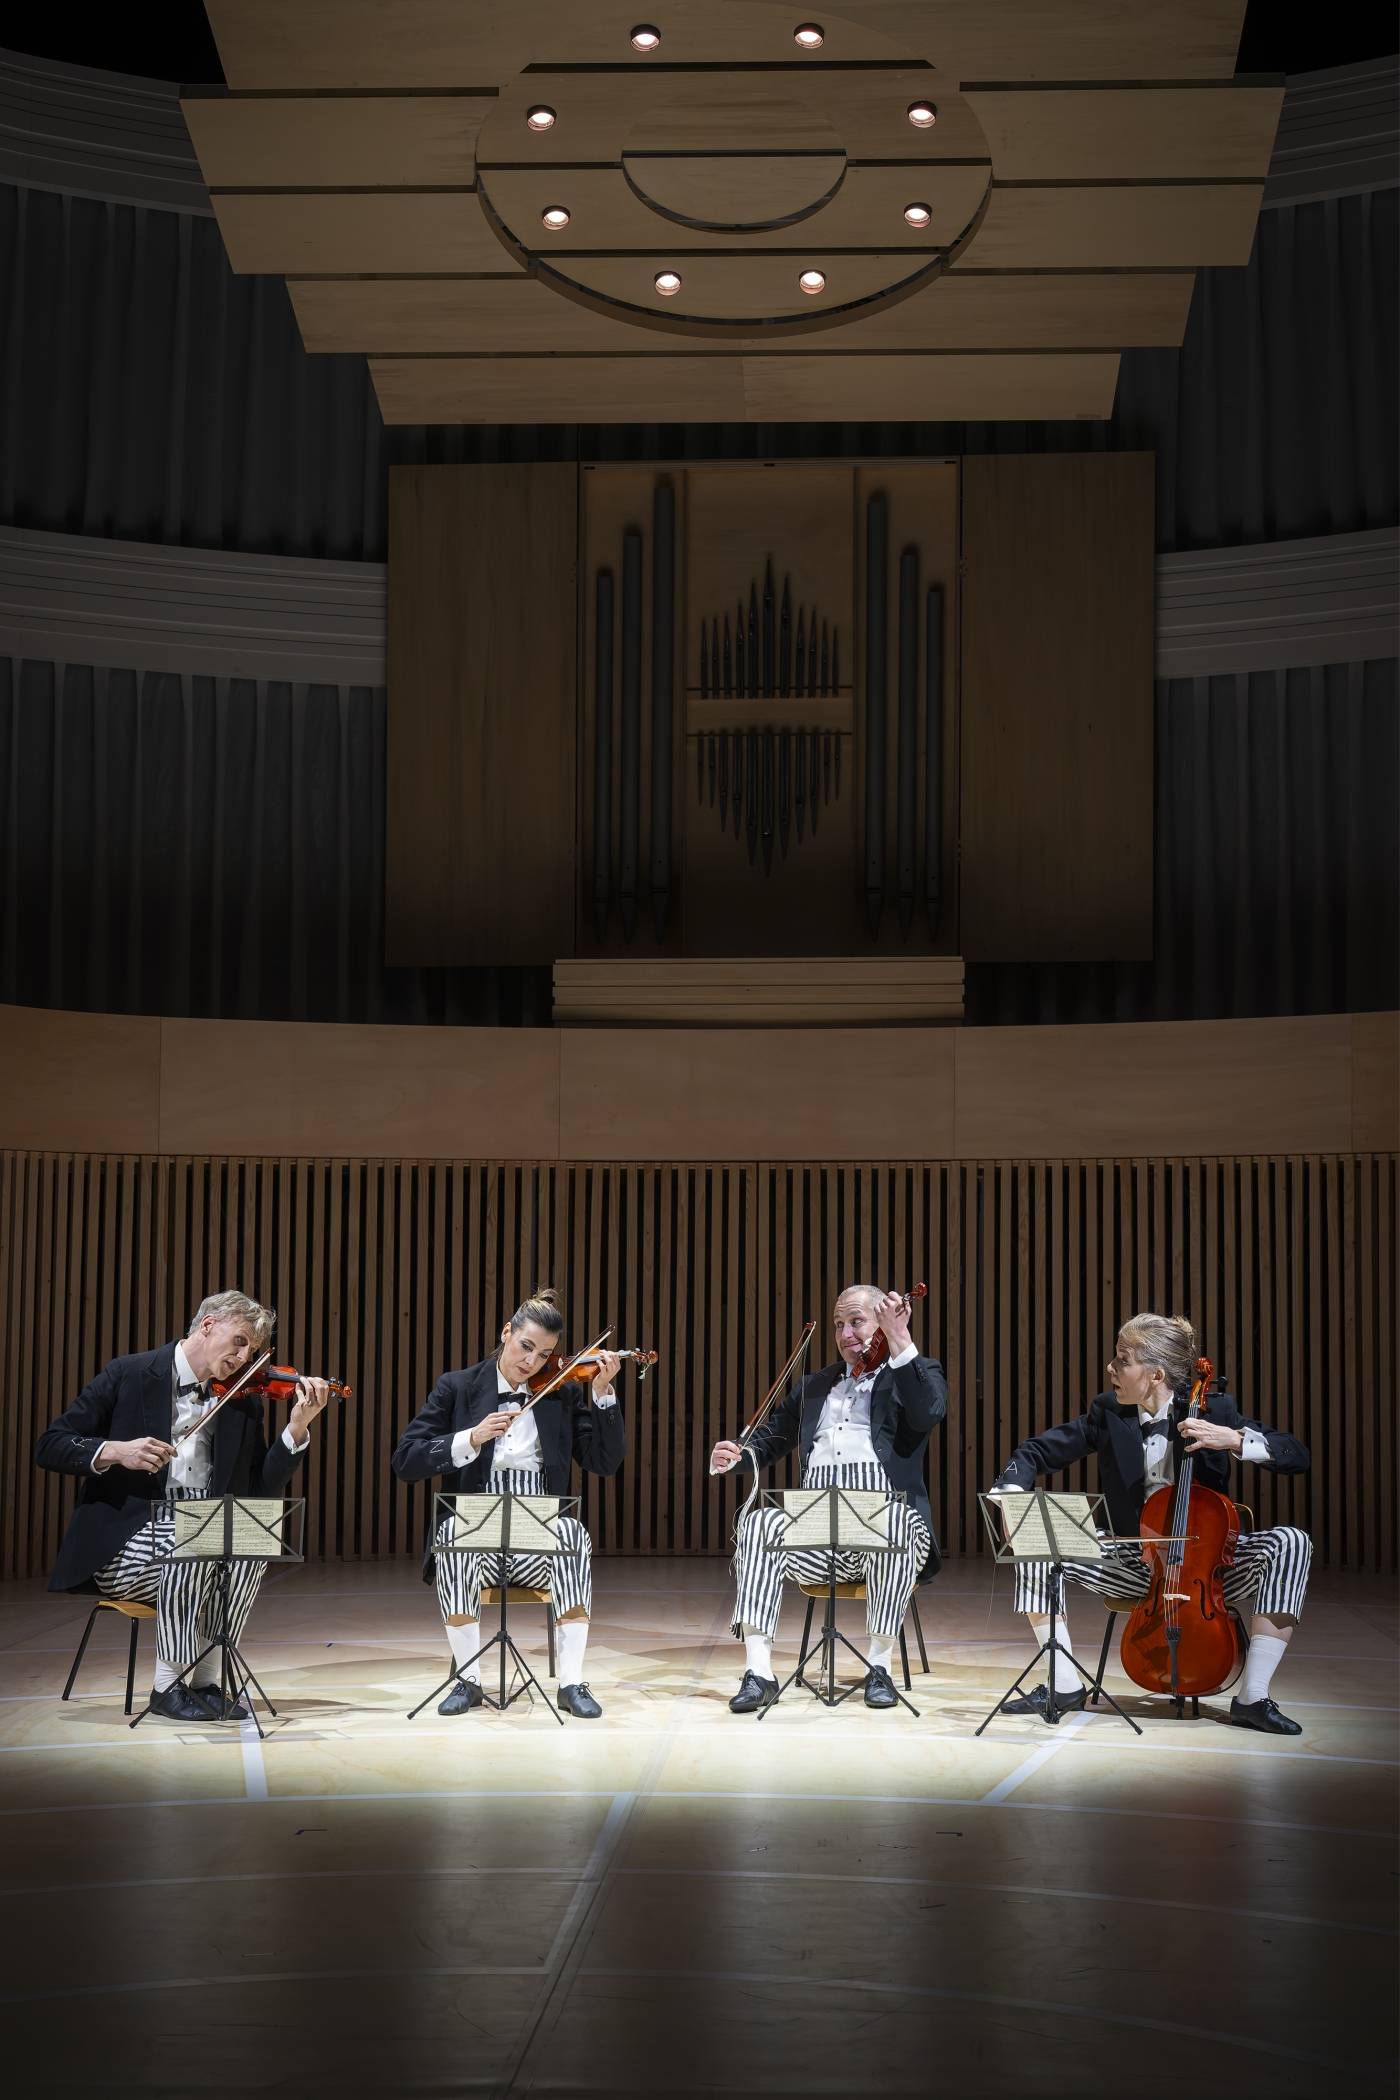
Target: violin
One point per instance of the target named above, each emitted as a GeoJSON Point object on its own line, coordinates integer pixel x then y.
{"type": "Point", "coordinates": [879, 1347]}
{"type": "Point", "coordinates": [583, 1368]}
{"type": "Point", "coordinates": [265, 1379]}
{"type": "Point", "coordinates": [1184, 1639]}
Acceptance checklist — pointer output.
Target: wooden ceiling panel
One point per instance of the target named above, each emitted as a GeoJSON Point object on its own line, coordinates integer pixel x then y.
{"type": "Point", "coordinates": [327, 44]}
{"type": "Point", "coordinates": [757, 389]}
{"type": "Point", "coordinates": [745, 286]}
{"type": "Point", "coordinates": [1039, 134]}
{"type": "Point", "coordinates": [1160, 226]}
{"type": "Point", "coordinates": [560, 389]}
{"type": "Point", "coordinates": [605, 212]}
{"type": "Point", "coordinates": [981, 388]}
{"type": "Point", "coordinates": [342, 235]}
{"type": "Point", "coordinates": [280, 141]}
{"type": "Point", "coordinates": [500, 317]}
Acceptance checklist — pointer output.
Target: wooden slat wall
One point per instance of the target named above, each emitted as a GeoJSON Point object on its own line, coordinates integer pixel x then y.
{"type": "Point", "coordinates": [387, 1272]}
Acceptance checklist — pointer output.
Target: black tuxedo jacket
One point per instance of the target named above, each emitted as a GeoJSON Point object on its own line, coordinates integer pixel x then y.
{"type": "Point", "coordinates": [1114, 1434]}
{"type": "Point", "coordinates": [133, 1397]}
{"type": "Point", "coordinates": [905, 1406]}
{"type": "Point", "coordinates": [569, 1429]}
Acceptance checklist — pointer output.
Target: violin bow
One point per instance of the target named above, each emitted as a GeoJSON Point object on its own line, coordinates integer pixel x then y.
{"type": "Point", "coordinates": [780, 1382]}
{"type": "Point", "coordinates": [558, 1380]}
{"type": "Point", "coordinates": [248, 1371]}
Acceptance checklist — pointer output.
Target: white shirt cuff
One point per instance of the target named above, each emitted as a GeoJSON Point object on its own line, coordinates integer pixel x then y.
{"type": "Point", "coordinates": [607, 1399]}
{"type": "Point", "coordinates": [97, 1465]}
{"type": "Point", "coordinates": [463, 1449]}
{"type": "Point", "coordinates": [1256, 1449]}
{"type": "Point", "coordinates": [291, 1443]}
{"type": "Point", "coordinates": [994, 1494]}
{"type": "Point", "coordinates": [905, 1356]}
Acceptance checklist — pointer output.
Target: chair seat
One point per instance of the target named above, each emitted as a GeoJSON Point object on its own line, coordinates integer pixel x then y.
{"type": "Point", "coordinates": [127, 1606]}
{"type": "Point", "coordinates": [854, 1590]}
{"type": "Point", "coordinates": [516, 1596]}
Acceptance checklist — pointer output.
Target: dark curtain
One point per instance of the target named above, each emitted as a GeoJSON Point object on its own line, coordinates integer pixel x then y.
{"type": "Point", "coordinates": [216, 848]}
{"type": "Point", "coordinates": [211, 848]}
{"type": "Point", "coordinates": [150, 394]}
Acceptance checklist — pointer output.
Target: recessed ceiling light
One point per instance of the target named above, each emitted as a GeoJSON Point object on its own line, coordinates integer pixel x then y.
{"type": "Point", "coordinates": [645, 38]}
{"type": "Point", "coordinates": [811, 36]}
{"type": "Point", "coordinates": [540, 118]}
{"type": "Point", "coordinates": [556, 218]}
{"type": "Point", "coordinates": [915, 214]}
{"type": "Point", "coordinates": [667, 283]}
{"type": "Point", "coordinates": [812, 282]}
{"type": "Point", "coordinates": [922, 115]}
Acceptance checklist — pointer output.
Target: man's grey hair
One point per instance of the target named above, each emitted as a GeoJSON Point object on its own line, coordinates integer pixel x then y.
{"type": "Point", "coordinates": [865, 1295]}
{"type": "Point", "coordinates": [236, 1305]}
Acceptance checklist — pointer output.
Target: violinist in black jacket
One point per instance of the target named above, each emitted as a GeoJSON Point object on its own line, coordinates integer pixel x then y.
{"type": "Point", "coordinates": [1138, 1434]}
{"type": "Point", "coordinates": [475, 1435]}
{"type": "Point", "coordinates": [856, 1430]}
{"type": "Point", "coordinates": [120, 1436]}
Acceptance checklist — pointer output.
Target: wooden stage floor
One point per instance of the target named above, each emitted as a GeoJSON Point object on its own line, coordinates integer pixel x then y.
{"type": "Point", "coordinates": [675, 1901]}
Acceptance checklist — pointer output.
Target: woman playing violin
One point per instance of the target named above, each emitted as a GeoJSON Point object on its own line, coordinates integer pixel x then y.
{"type": "Point", "coordinates": [480, 1434]}
{"type": "Point", "coordinates": [1139, 1430]}
{"type": "Point", "coordinates": [862, 1423]}
{"type": "Point", "coordinates": [134, 1436]}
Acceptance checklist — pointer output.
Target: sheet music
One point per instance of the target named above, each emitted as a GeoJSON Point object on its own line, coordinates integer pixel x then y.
{"type": "Point", "coordinates": [257, 1522]}
{"type": "Point", "coordinates": [863, 1518]}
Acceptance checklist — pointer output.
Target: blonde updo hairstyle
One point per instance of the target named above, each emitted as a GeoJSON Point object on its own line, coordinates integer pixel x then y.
{"type": "Point", "coordinates": [1164, 1342]}
{"type": "Point", "coordinates": [540, 1309]}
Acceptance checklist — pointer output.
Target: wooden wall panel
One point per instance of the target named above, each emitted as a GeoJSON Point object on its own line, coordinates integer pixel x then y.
{"type": "Point", "coordinates": [481, 714]}
{"type": "Point", "coordinates": [1057, 639]}
{"type": "Point", "coordinates": [387, 1272]}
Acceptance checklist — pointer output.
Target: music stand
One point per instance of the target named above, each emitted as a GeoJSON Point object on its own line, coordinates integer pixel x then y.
{"type": "Point", "coordinates": [228, 1530]}
{"type": "Point", "coordinates": [1056, 1532]}
{"type": "Point", "coordinates": [831, 1520]}
{"type": "Point", "coordinates": [495, 1526]}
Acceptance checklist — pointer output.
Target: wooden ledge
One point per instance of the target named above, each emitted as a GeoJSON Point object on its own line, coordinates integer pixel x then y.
{"type": "Point", "coordinates": [828, 991]}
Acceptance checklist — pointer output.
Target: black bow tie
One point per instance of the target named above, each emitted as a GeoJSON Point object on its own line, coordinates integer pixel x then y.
{"type": "Point", "coordinates": [1163, 1426]}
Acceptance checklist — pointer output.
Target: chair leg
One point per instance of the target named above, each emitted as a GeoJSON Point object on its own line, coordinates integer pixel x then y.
{"type": "Point", "coordinates": [919, 1633]}
{"type": "Point", "coordinates": [1093, 1698]}
{"type": "Point", "coordinates": [82, 1647]}
{"type": "Point", "coordinates": [131, 1664]}
{"type": "Point", "coordinates": [806, 1633]}
{"type": "Point", "coordinates": [549, 1629]}
{"type": "Point", "coordinates": [904, 1659]}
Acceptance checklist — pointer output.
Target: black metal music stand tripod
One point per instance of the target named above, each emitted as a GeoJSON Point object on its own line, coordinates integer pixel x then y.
{"type": "Point", "coordinates": [247, 1529]}
{"type": "Point", "coordinates": [495, 1526]}
{"type": "Point", "coordinates": [1055, 1532]}
{"type": "Point", "coordinates": [831, 1520]}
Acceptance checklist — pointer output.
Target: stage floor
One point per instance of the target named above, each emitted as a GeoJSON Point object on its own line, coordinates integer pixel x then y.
{"type": "Point", "coordinates": [672, 1900]}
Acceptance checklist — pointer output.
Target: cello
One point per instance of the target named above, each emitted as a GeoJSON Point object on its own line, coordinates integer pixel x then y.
{"type": "Point", "coordinates": [1183, 1639]}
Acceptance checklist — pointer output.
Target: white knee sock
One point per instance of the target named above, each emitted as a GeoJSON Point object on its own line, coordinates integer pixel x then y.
{"type": "Point", "coordinates": [1266, 1652]}
{"type": "Point", "coordinates": [879, 1653]}
{"type": "Point", "coordinates": [1067, 1678]}
{"type": "Point", "coordinates": [465, 1640]}
{"type": "Point", "coordinates": [570, 1640]}
{"type": "Point", "coordinates": [758, 1655]}
{"type": "Point", "coordinates": [165, 1676]}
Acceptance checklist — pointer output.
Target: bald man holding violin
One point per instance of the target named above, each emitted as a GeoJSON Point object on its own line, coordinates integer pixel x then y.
{"type": "Point", "coordinates": [862, 1423]}
{"type": "Point", "coordinates": [481, 1432]}
{"type": "Point", "coordinates": [152, 1430]}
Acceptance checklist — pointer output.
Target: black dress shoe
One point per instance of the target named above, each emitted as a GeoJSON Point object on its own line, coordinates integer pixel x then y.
{"type": "Point", "coordinates": [223, 1709]}
{"type": "Point", "coordinates": [879, 1688]}
{"type": "Point", "coordinates": [1034, 1703]}
{"type": "Point", "coordinates": [1264, 1716]}
{"type": "Point", "coordinates": [179, 1703]}
{"type": "Point", "coordinates": [754, 1694]}
{"type": "Point", "coordinates": [576, 1699]}
{"type": "Point", "coordinates": [464, 1695]}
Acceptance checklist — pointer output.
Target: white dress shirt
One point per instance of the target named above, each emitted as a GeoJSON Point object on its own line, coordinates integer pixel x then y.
{"type": "Point", "coordinates": [192, 1467]}
{"type": "Point", "coordinates": [518, 1451]}
{"type": "Point", "coordinates": [843, 1433]}
{"type": "Point", "coordinates": [1158, 1463]}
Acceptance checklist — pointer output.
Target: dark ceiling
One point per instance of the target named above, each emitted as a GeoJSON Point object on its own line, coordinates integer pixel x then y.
{"type": "Point", "coordinates": [172, 41]}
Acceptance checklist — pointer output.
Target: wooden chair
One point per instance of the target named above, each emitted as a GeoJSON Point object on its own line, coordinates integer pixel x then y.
{"type": "Point", "coordinates": [515, 1595]}
{"type": "Point", "coordinates": [1113, 1605]}
{"type": "Point", "coordinates": [855, 1592]}
{"type": "Point", "coordinates": [135, 1613]}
